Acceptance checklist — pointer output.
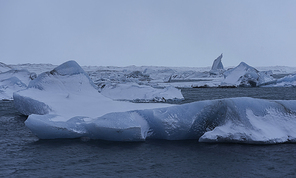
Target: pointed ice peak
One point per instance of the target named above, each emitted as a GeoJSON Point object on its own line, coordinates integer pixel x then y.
{"type": "Point", "coordinates": [217, 64]}
{"type": "Point", "coordinates": [246, 67]}
{"type": "Point", "coordinates": [244, 64]}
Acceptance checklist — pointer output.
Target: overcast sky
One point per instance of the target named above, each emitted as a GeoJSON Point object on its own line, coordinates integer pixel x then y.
{"type": "Point", "coordinates": [188, 33]}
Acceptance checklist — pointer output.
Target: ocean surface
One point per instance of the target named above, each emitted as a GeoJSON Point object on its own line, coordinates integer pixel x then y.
{"type": "Point", "coordinates": [24, 155]}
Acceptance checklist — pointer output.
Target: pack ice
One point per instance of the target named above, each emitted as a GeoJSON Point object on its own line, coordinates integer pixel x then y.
{"type": "Point", "coordinates": [64, 103]}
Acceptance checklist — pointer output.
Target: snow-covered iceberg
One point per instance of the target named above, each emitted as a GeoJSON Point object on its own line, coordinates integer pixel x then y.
{"type": "Point", "coordinates": [141, 93]}
{"type": "Point", "coordinates": [245, 76]}
{"type": "Point", "coordinates": [255, 121]}
{"type": "Point", "coordinates": [68, 90]}
{"type": "Point", "coordinates": [242, 120]}
{"type": "Point", "coordinates": [66, 93]}
{"type": "Point", "coordinates": [14, 80]}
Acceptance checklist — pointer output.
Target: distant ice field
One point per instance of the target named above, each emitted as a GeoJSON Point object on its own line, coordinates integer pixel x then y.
{"type": "Point", "coordinates": [270, 93]}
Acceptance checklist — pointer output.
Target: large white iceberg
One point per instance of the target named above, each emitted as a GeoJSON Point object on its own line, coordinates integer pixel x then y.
{"type": "Point", "coordinates": [242, 120]}
{"type": "Point", "coordinates": [217, 67]}
{"type": "Point", "coordinates": [246, 76]}
{"type": "Point", "coordinates": [65, 93]}
{"type": "Point", "coordinates": [141, 93]}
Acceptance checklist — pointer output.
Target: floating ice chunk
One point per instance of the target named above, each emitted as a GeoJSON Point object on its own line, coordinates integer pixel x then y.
{"type": "Point", "coordinates": [242, 120]}
{"type": "Point", "coordinates": [142, 93]}
{"type": "Point", "coordinates": [217, 64]}
{"type": "Point", "coordinates": [217, 67]}
{"type": "Point", "coordinates": [246, 76]}
{"type": "Point", "coordinates": [256, 121]}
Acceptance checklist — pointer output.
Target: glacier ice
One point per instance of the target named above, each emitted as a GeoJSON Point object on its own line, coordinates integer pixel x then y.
{"type": "Point", "coordinates": [242, 120]}
{"type": "Point", "coordinates": [245, 76]}
{"type": "Point", "coordinates": [69, 91]}
{"type": "Point", "coordinates": [217, 67]}
{"type": "Point", "coordinates": [217, 64]}
{"type": "Point", "coordinates": [140, 93]}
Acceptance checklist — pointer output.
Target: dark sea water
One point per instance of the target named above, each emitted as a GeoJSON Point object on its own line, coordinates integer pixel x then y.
{"type": "Point", "coordinates": [24, 155]}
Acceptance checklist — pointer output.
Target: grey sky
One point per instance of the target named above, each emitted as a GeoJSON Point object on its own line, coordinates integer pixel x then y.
{"type": "Point", "coordinates": [153, 32]}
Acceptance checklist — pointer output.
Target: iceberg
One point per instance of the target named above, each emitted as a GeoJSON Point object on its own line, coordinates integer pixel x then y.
{"type": "Point", "coordinates": [66, 93]}
{"type": "Point", "coordinates": [69, 91]}
{"type": "Point", "coordinates": [238, 120]}
{"type": "Point", "coordinates": [217, 67]}
{"type": "Point", "coordinates": [245, 76]}
{"type": "Point", "coordinates": [256, 121]}
{"type": "Point", "coordinates": [141, 93]}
